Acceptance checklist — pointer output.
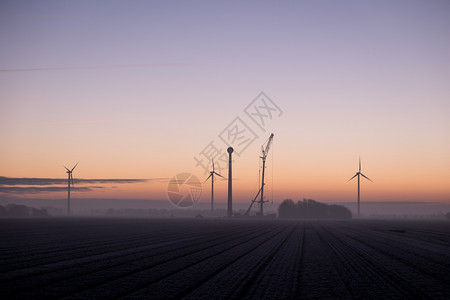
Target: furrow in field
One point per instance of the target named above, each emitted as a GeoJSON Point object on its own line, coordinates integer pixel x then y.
{"type": "Point", "coordinates": [234, 269]}
{"type": "Point", "coordinates": [54, 255]}
{"type": "Point", "coordinates": [432, 259]}
{"type": "Point", "coordinates": [370, 270]}
{"type": "Point", "coordinates": [129, 283]}
{"type": "Point", "coordinates": [96, 269]}
{"type": "Point", "coordinates": [55, 251]}
{"type": "Point", "coordinates": [419, 273]}
{"type": "Point", "coordinates": [320, 278]}
{"type": "Point", "coordinates": [280, 276]}
{"type": "Point", "coordinates": [407, 239]}
{"type": "Point", "coordinates": [108, 256]}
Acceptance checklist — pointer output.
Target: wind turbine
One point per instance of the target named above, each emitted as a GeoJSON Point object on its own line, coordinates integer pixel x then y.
{"type": "Point", "coordinates": [211, 174]}
{"type": "Point", "coordinates": [359, 174]}
{"type": "Point", "coordinates": [69, 179]}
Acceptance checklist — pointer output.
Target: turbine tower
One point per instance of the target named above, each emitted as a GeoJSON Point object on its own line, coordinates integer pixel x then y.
{"type": "Point", "coordinates": [359, 174]}
{"type": "Point", "coordinates": [211, 175]}
{"type": "Point", "coordinates": [230, 184]}
{"type": "Point", "coordinates": [69, 179]}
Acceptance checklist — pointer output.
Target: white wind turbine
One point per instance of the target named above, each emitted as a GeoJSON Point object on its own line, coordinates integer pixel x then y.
{"type": "Point", "coordinates": [69, 180]}
{"type": "Point", "coordinates": [211, 174]}
{"type": "Point", "coordinates": [359, 174]}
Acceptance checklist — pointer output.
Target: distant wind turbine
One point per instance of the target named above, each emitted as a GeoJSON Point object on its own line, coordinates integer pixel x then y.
{"type": "Point", "coordinates": [211, 175]}
{"type": "Point", "coordinates": [358, 174]}
{"type": "Point", "coordinates": [69, 180]}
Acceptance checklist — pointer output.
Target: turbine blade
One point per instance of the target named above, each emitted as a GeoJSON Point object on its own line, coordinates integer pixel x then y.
{"type": "Point", "coordinates": [353, 177]}
{"type": "Point", "coordinates": [208, 177]}
{"type": "Point", "coordinates": [66, 168]}
{"type": "Point", "coordinates": [365, 177]}
{"type": "Point", "coordinates": [212, 160]}
{"type": "Point", "coordinates": [74, 167]}
{"type": "Point", "coordinates": [219, 175]}
{"type": "Point", "coordinates": [360, 164]}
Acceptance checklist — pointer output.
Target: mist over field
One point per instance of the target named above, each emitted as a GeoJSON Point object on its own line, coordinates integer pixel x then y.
{"type": "Point", "coordinates": [100, 207]}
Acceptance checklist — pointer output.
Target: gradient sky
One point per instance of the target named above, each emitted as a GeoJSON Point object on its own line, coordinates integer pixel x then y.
{"type": "Point", "coordinates": [137, 89]}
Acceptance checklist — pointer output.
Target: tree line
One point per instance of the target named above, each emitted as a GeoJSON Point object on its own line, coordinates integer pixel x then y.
{"type": "Point", "coordinates": [19, 210]}
{"type": "Point", "coordinates": [310, 209]}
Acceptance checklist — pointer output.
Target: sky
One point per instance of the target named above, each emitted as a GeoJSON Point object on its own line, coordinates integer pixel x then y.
{"type": "Point", "coordinates": [143, 90]}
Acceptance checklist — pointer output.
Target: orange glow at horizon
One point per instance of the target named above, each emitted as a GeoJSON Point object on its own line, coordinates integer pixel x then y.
{"type": "Point", "coordinates": [288, 175]}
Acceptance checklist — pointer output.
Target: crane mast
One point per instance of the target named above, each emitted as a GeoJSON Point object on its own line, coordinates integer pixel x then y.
{"type": "Point", "coordinates": [260, 193]}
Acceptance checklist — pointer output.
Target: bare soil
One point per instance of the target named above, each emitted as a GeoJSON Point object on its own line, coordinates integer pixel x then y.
{"type": "Point", "coordinates": [223, 259]}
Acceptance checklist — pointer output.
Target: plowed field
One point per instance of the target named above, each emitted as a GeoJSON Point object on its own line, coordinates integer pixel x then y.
{"type": "Point", "coordinates": [223, 259]}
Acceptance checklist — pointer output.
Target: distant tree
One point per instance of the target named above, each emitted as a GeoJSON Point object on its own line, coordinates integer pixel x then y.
{"type": "Point", "coordinates": [287, 209]}
{"type": "Point", "coordinates": [339, 212]}
{"type": "Point", "coordinates": [39, 212]}
{"type": "Point", "coordinates": [310, 209]}
{"type": "Point", "coordinates": [17, 210]}
{"type": "Point", "coordinates": [301, 208]}
{"type": "Point", "coordinates": [316, 209]}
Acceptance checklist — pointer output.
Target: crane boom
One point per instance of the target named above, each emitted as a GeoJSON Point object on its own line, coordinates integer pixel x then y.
{"type": "Point", "coordinates": [266, 150]}
{"type": "Point", "coordinates": [261, 190]}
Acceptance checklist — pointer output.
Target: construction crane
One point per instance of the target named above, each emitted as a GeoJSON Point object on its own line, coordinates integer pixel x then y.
{"type": "Point", "coordinates": [260, 193]}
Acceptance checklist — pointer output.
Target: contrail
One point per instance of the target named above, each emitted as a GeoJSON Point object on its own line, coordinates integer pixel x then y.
{"type": "Point", "coordinates": [99, 67]}
{"type": "Point", "coordinates": [50, 123]}
{"type": "Point", "coordinates": [72, 122]}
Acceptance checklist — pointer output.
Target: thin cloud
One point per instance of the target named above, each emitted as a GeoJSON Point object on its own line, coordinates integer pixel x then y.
{"type": "Point", "coordinates": [22, 186]}
{"type": "Point", "coordinates": [8, 181]}
{"type": "Point", "coordinates": [58, 123]}
{"type": "Point", "coordinates": [37, 190]}
{"type": "Point", "coordinates": [109, 181]}
{"type": "Point", "coordinates": [72, 122]}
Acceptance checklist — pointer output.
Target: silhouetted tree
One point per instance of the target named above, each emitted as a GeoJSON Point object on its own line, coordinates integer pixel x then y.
{"type": "Point", "coordinates": [310, 209]}
{"type": "Point", "coordinates": [17, 210]}
{"type": "Point", "coordinates": [316, 210]}
{"type": "Point", "coordinates": [39, 212]}
{"type": "Point", "coordinates": [301, 208]}
{"type": "Point", "coordinates": [287, 209]}
{"type": "Point", "coordinates": [339, 212]}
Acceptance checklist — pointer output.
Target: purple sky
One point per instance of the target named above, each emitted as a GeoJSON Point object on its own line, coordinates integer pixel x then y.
{"type": "Point", "coordinates": [136, 89]}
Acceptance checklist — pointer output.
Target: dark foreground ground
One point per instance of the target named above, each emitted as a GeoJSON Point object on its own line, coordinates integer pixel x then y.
{"type": "Point", "coordinates": [223, 259]}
